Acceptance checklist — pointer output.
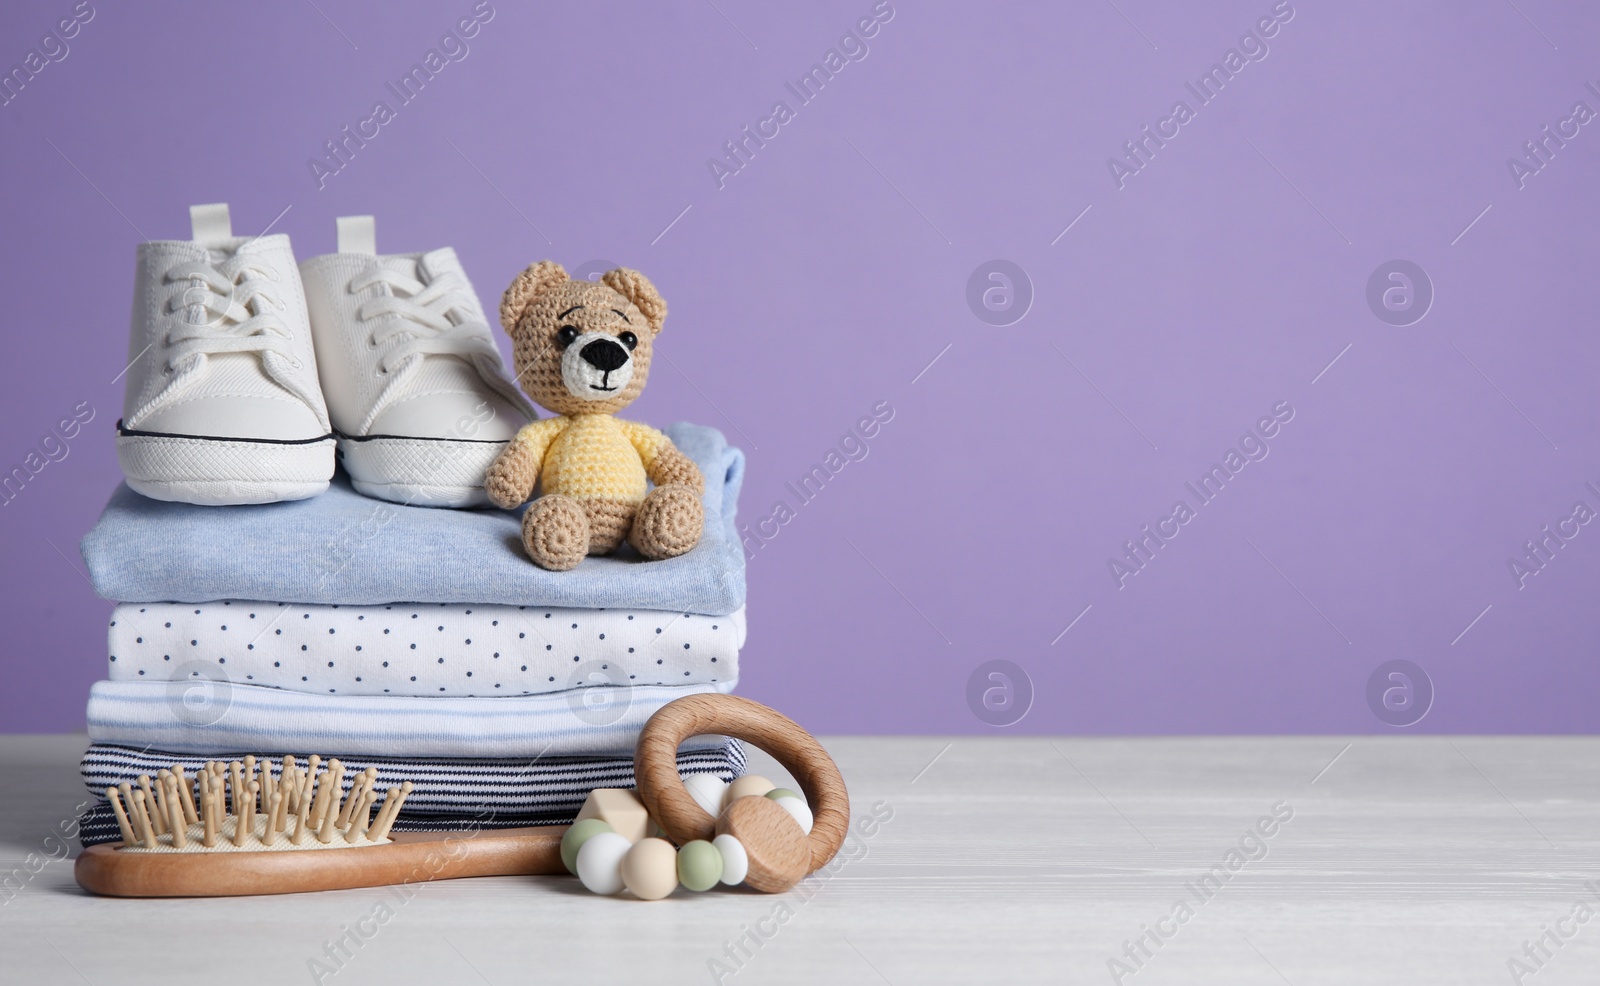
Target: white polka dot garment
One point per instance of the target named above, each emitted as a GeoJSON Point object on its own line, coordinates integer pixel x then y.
{"type": "Point", "coordinates": [412, 649]}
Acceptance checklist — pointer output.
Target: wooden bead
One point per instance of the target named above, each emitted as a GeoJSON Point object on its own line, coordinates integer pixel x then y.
{"type": "Point", "coordinates": [779, 856]}
{"type": "Point", "coordinates": [650, 869]}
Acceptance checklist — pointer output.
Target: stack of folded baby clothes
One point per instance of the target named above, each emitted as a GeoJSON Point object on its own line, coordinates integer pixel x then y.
{"type": "Point", "coordinates": [268, 606]}
{"type": "Point", "coordinates": [504, 692]}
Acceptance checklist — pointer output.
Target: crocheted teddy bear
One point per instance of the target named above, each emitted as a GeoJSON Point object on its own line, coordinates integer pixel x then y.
{"type": "Point", "coordinates": [582, 351]}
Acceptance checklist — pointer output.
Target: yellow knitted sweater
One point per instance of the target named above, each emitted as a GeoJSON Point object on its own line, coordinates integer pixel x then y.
{"type": "Point", "coordinates": [592, 456]}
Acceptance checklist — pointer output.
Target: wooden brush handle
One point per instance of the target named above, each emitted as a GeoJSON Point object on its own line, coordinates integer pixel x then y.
{"type": "Point", "coordinates": [655, 768]}
{"type": "Point", "coordinates": [412, 857]}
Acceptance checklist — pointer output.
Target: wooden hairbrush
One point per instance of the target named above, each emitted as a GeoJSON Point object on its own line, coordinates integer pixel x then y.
{"type": "Point", "coordinates": [231, 831]}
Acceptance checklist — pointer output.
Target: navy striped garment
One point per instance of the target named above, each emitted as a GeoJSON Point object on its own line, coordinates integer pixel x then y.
{"type": "Point", "coordinates": [449, 794]}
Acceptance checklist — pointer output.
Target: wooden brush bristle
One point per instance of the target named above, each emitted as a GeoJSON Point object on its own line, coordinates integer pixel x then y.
{"type": "Point", "coordinates": [245, 805]}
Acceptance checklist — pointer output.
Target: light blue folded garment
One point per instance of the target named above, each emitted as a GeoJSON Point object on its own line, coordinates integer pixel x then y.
{"type": "Point", "coordinates": [343, 548]}
{"type": "Point", "coordinates": [212, 716]}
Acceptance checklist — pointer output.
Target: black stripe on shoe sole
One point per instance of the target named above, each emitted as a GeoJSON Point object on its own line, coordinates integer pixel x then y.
{"type": "Point", "coordinates": [135, 433]}
{"type": "Point", "coordinates": [419, 438]}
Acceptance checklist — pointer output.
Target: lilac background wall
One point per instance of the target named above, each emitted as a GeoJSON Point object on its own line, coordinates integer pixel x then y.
{"type": "Point", "coordinates": [829, 273]}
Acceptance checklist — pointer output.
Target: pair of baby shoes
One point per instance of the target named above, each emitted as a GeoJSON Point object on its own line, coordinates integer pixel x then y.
{"type": "Point", "coordinates": [249, 373]}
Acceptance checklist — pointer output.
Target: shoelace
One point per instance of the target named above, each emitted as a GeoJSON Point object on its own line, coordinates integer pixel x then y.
{"type": "Point", "coordinates": [423, 322]}
{"type": "Point", "coordinates": [231, 306]}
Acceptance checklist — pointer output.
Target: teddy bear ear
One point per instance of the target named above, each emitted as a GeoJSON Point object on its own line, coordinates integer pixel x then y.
{"type": "Point", "coordinates": [637, 288]}
{"type": "Point", "coordinates": [528, 286]}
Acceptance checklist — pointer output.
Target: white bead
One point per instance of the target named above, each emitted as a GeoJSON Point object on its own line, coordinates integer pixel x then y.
{"type": "Point", "coordinates": [799, 810]}
{"type": "Point", "coordinates": [707, 791]}
{"type": "Point", "coordinates": [735, 862]}
{"type": "Point", "coordinates": [600, 862]}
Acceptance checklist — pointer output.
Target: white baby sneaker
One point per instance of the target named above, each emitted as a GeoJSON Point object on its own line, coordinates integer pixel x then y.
{"type": "Point", "coordinates": [417, 392]}
{"type": "Point", "coordinates": [222, 402]}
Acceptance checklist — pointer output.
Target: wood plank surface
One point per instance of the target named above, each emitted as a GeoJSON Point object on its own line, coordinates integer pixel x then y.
{"type": "Point", "coordinates": [970, 860]}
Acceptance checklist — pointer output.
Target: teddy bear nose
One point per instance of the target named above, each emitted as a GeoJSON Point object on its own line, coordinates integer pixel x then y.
{"type": "Point", "coordinates": [604, 355]}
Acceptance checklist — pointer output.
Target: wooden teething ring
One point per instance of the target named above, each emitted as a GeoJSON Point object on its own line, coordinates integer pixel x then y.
{"type": "Point", "coordinates": [655, 768]}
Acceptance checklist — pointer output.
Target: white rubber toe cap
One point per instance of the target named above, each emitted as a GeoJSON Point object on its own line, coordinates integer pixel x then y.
{"type": "Point", "coordinates": [422, 472]}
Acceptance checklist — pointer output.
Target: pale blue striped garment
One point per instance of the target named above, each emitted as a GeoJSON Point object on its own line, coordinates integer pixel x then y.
{"type": "Point", "coordinates": [198, 716]}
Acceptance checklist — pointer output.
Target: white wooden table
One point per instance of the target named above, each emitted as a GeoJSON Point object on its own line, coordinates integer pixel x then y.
{"type": "Point", "coordinates": [1407, 860]}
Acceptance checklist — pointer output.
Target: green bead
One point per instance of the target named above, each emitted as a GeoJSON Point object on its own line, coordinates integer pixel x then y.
{"type": "Point", "coordinates": [576, 835]}
{"type": "Point", "coordinates": [783, 792]}
{"type": "Point", "coordinates": [699, 865]}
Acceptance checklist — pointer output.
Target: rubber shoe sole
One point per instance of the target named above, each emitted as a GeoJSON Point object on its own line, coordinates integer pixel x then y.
{"type": "Point", "coordinates": [223, 471]}
{"type": "Point", "coordinates": [421, 472]}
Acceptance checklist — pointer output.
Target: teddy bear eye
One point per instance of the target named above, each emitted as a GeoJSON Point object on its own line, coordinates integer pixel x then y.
{"type": "Point", "coordinates": [628, 339]}
{"type": "Point", "coordinates": [566, 334]}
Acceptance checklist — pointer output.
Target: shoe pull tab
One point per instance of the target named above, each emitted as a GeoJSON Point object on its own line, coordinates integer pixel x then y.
{"type": "Point", "coordinates": [210, 223]}
{"type": "Point", "coordinates": [357, 234]}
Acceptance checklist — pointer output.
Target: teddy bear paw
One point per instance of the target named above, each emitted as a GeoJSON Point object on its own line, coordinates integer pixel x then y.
{"type": "Point", "coordinates": [555, 532]}
{"type": "Point", "coordinates": [669, 522]}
